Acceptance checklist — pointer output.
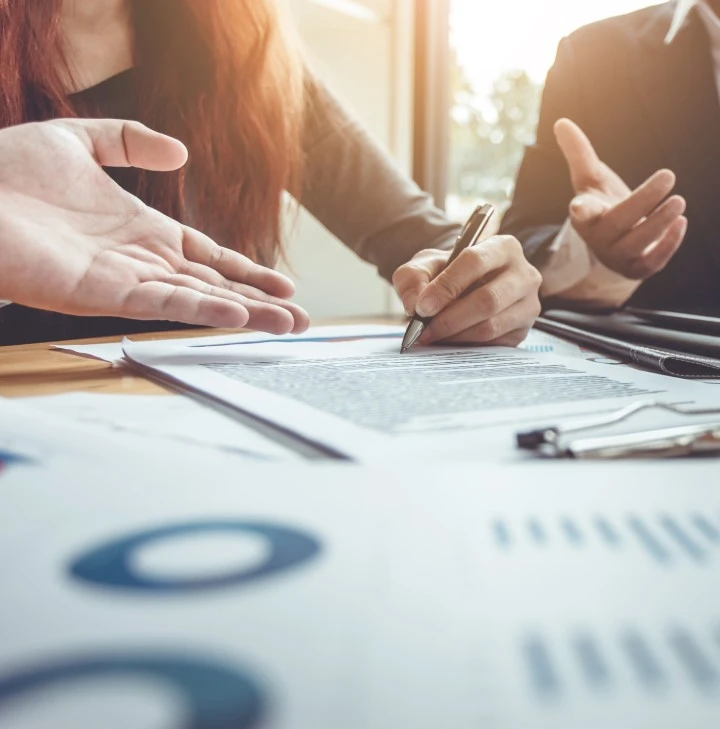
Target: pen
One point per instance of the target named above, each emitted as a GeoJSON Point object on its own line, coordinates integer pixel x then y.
{"type": "Point", "coordinates": [469, 236]}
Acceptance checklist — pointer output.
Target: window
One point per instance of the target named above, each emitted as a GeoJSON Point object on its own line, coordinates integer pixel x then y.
{"type": "Point", "coordinates": [500, 53]}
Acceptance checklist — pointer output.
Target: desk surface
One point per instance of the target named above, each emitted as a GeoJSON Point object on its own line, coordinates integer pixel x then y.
{"type": "Point", "coordinates": [37, 369]}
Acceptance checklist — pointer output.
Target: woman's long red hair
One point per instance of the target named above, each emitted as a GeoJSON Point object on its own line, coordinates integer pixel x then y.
{"type": "Point", "coordinates": [218, 74]}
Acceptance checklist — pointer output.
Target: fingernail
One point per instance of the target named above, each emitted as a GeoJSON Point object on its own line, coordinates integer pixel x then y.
{"type": "Point", "coordinates": [427, 306]}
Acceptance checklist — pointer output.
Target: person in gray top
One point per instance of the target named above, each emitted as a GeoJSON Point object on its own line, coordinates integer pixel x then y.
{"type": "Point", "coordinates": [224, 77]}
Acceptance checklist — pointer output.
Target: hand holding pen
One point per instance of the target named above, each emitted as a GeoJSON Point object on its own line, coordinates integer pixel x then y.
{"type": "Point", "coordinates": [477, 294]}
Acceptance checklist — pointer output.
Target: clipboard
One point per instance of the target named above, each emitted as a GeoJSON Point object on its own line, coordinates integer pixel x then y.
{"type": "Point", "coordinates": [586, 440]}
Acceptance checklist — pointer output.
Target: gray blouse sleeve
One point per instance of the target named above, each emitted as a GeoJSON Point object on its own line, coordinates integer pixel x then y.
{"type": "Point", "coordinates": [353, 188]}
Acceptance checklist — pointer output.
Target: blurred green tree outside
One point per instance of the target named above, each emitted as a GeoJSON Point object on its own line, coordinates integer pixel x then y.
{"type": "Point", "coordinates": [488, 135]}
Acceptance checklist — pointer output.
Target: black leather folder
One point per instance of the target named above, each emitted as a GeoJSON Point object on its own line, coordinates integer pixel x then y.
{"type": "Point", "coordinates": [672, 350]}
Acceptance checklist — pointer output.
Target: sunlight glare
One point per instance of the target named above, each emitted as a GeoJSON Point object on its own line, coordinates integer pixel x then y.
{"type": "Point", "coordinates": [492, 37]}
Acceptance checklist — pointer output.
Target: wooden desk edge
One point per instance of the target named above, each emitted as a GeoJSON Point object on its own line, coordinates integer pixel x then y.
{"type": "Point", "coordinates": [37, 369]}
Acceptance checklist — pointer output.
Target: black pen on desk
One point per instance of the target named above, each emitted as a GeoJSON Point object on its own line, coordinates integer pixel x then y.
{"type": "Point", "coordinates": [469, 236]}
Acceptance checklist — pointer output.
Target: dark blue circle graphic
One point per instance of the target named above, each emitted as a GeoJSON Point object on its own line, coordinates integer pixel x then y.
{"type": "Point", "coordinates": [217, 696]}
{"type": "Point", "coordinates": [108, 565]}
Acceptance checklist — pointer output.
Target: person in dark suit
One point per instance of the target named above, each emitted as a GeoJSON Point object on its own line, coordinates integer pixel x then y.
{"type": "Point", "coordinates": [619, 198]}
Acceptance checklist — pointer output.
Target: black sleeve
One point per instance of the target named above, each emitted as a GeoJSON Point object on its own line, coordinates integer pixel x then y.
{"type": "Point", "coordinates": [543, 190]}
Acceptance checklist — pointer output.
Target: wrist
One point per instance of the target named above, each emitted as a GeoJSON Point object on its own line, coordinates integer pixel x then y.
{"type": "Point", "coordinates": [573, 272]}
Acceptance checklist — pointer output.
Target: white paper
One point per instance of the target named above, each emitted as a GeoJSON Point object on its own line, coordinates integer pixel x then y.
{"type": "Point", "coordinates": [538, 596]}
{"type": "Point", "coordinates": [365, 400]}
{"type": "Point", "coordinates": [50, 438]}
{"type": "Point", "coordinates": [543, 342]}
{"type": "Point", "coordinates": [112, 352]}
{"type": "Point", "coordinates": [539, 341]}
{"type": "Point", "coordinates": [169, 418]}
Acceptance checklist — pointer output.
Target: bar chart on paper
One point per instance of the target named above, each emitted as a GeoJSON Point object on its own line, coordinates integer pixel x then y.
{"type": "Point", "coordinates": [656, 664]}
{"type": "Point", "coordinates": [665, 540]}
{"type": "Point", "coordinates": [524, 597]}
{"type": "Point", "coordinates": [607, 616]}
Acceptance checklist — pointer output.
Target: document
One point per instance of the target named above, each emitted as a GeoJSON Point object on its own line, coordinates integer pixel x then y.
{"type": "Point", "coordinates": [364, 400]}
{"type": "Point", "coordinates": [47, 438]}
{"type": "Point", "coordinates": [296, 597]}
{"type": "Point", "coordinates": [112, 352]}
{"type": "Point", "coordinates": [536, 341]}
{"type": "Point", "coordinates": [162, 418]}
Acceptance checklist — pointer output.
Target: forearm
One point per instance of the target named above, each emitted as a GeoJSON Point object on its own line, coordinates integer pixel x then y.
{"type": "Point", "coordinates": [355, 190]}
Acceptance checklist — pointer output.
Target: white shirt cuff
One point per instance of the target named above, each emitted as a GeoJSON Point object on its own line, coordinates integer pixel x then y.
{"type": "Point", "coordinates": [572, 272]}
{"type": "Point", "coordinates": [568, 262]}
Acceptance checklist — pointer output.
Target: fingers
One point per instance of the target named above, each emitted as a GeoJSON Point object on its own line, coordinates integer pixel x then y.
{"type": "Point", "coordinates": [487, 292]}
{"type": "Point", "coordinates": [116, 143]}
{"type": "Point", "coordinates": [627, 255]}
{"type": "Point", "coordinates": [200, 249]}
{"type": "Point", "coordinates": [620, 234]}
{"type": "Point", "coordinates": [267, 313]}
{"type": "Point", "coordinates": [161, 300]}
{"type": "Point", "coordinates": [507, 328]}
{"type": "Point", "coordinates": [584, 165]}
{"type": "Point", "coordinates": [479, 306]}
{"type": "Point", "coordinates": [643, 200]}
{"type": "Point", "coordinates": [469, 268]}
{"type": "Point", "coordinates": [651, 229]}
{"type": "Point", "coordinates": [263, 291]}
{"type": "Point", "coordinates": [411, 278]}
{"type": "Point", "coordinates": [657, 256]}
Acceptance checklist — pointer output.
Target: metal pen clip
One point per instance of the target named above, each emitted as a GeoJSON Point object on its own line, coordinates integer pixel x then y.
{"type": "Point", "coordinates": [666, 442]}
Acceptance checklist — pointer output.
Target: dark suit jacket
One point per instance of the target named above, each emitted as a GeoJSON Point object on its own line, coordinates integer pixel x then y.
{"type": "Point", "coordinates": [644, 106]}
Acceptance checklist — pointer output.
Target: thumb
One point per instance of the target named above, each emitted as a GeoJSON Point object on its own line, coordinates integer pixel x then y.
{"type": "Point", "coordinates": [412, 278]}
{"type": "Point", "coordinates": [116, 143]}
{"type": "Point", "coordinates": [582, 160]}
{"type": "Point", "coordinates": [585, 209]}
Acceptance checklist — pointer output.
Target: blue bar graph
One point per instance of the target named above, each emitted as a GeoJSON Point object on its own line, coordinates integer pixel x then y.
{"type": "Point", "coordinates": [706, 528]}
{"type": "Point", "coordinates": [696, 663]}
{"type": "Point", "coordinates": [683, 539]}
{"type": "Point", "coordinates": [654, 547]}
{"type": "Point", "coordinates": [643, 660]}
{"type": "Point", "coordinates": [537, 532]}
{"type": "Point", "coordinates": [594, 667]}
{"type": "Point", "coordinates": [502, 534]}
{"type": "Point", "coordinates": [572, 532]}
{"type": "Point", "coordinates": [542, 672]}
{"type": "Point", "coordinates": [665, 538]}
{"type": "Point", "coordinates": [607, 531]}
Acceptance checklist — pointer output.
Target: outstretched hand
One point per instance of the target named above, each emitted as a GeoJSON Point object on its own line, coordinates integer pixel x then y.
{"type": "Point", "coordinates": [632, 232]}
{"type": "Point", "coordinates": [73, 241]}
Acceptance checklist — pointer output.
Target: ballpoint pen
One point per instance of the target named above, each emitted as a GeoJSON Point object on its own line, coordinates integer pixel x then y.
{"type": "Point", "coordinates": [469, 235]}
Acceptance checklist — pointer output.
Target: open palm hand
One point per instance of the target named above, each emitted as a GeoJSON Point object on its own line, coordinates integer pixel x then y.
{"type": "Point", "coordinates": [632, 232]}
{"type": "Point", "coordinates": [73, 241]}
